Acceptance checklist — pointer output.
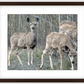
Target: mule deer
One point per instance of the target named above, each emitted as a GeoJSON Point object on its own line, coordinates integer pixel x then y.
{"type": "Point", "coordinates": [69, 28]}
{"type": "Point", "coordinates": [69, 23]}
{"type": "Point", "coordinates": [23, 41]}
{"type": "Point", "coordinates": [61, 42]}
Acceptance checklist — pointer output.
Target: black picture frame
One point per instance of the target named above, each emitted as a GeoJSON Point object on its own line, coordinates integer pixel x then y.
{"type": "Point", "coordinates": [42, 4]}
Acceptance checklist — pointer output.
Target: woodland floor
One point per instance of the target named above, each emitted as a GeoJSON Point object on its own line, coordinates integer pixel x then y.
{"type": "Point", "coordinates": [15, 64]}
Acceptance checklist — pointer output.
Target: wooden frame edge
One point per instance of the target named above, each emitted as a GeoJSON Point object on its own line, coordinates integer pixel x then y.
{"type": "Point", "coordinates": [41, 80]}
{"type": "Point", "coordinates": [42, 3]}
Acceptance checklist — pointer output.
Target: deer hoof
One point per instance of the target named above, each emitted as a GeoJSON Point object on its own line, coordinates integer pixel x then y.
{"type": "Point", "coordinates": [40, 66]}
{"type": "Point", "coordinates": [8, 64]}
{"type": "Point", "coordinates": [28, 63]}
{"type": "Point", "coordinates": [71, 68]}
{"type": "Point", "coordinates": [52, 67]}
{"type": "Point", "coordinates": [32, 63]}
{"type": "Point", "coordinates": [60, 68]}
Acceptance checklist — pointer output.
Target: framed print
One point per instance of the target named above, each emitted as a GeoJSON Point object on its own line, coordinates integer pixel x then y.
{"type": "Point", "coordinates": [41, 42]}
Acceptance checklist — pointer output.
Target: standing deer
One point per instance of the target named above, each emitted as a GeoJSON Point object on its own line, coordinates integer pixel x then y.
{"type": "Point", "coordinates": [69, 28]}
{"type": "Point", "coordinates": [61, 42]}
{"type": "Point", "coordinates": [23, 41]}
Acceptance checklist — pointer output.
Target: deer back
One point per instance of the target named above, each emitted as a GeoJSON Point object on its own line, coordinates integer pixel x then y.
{"type": "Point", "coordinates": [15, 37]}
{"type": "Point", "coordinates": [70, 30]}
{"type": "Point", "coordinates": [69, 23]}
{"type": "Point", "coordinates": [56, 39]}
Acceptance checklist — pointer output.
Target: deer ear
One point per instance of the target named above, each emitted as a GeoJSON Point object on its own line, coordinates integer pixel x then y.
{"type": "Point", "coordinates": [28, 20]}
{"type": "Point", "coordinates": [37, 19]}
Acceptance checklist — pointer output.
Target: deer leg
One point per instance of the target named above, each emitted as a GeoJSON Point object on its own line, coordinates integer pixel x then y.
{"type": "Point", "coordinates": [60, 51]}
{"type": "Point", "coordinates": [17, 53]}
{"type": "Point", "coordinates": [72, 65]}
{"type": "Point", "coordinates": [28, 50]}
{"type": "Point", "coordinates": [42, 58]}
{"type": "Point", "coordinates": [50, 54]}
{"type": "Point", "coordinates": [32, 56]}
{"type": "Point", "coordinates": [51, 64]}
{"type": "Point", "coordinates": [10, 52]}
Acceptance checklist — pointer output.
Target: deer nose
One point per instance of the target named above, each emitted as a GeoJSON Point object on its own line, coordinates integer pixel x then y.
{"type": "Point", "coordinates": [32, 27]}
{"type": "Point", "coordinates": [73, 62]}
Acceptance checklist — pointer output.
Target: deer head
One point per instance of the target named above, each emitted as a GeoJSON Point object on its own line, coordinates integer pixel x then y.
{"type": "Point", "coordinates": [33, 24]}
